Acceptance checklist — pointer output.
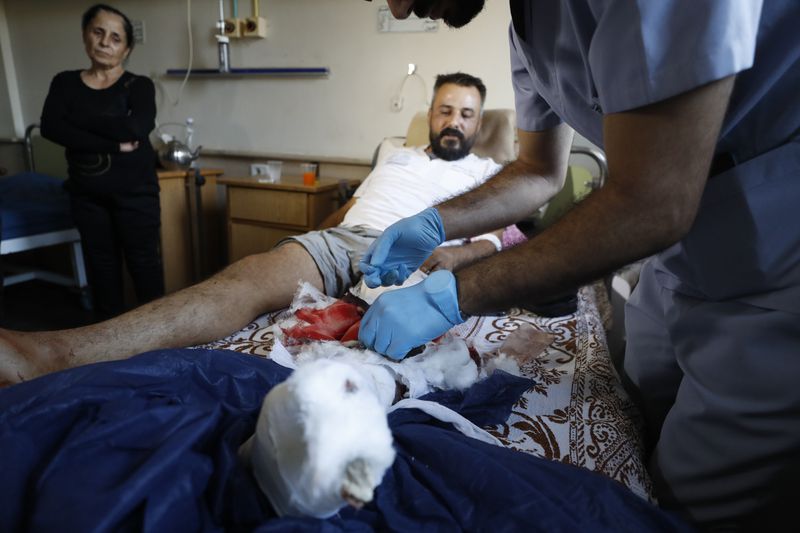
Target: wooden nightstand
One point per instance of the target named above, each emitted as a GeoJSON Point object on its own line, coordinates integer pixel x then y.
{"type": "Point", "coordinates": [261, 214]}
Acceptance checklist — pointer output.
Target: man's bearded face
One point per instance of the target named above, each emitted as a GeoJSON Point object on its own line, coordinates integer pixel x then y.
{"type": "Point", "coordinates": [450, 144]}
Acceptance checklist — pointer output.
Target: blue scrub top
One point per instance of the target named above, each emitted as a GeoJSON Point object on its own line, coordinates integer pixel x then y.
{"type": "Point", "coordinates": [575, 60]}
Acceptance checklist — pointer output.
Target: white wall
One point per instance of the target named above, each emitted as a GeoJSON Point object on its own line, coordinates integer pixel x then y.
{"type": "Point", "coordinates": [342, 116]}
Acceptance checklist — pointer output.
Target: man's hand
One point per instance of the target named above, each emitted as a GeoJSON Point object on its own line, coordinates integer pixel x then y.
{"type": "Point", "coordinates": [402, 248]}
{"type": "Point", "coordinates": [454, 258]}
{"type": "Point", "coordinates": [129, 146]}
{"type": "Point", "coordinates": [443, 258]}
{"type": "Point", "coordinates": [403, 319]}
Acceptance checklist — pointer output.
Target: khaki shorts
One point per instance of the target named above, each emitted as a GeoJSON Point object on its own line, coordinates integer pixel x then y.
{"type": "Point", "coordinates": [337, 251]}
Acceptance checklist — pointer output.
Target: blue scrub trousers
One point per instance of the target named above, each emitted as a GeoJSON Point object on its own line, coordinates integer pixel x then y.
{"type": "Point", "coordinates": [713, 353]}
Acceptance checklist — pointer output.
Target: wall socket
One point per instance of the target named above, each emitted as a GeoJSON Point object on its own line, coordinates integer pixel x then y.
{"type": "Point", "coordinates": [259, 169]}
{"type": "Point", "coordinates": [254, 27]}
{"type": "Point", "coordinates": [233, 27]}
{"type": "Point", "coordinates": [397, 104]}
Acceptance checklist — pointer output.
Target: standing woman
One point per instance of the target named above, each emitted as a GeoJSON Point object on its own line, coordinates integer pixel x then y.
{"type": "Point", "coordinates": [103, 116]}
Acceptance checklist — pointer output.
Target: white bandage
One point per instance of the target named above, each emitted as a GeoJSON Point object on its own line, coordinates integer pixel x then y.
{"type": "Point", "coordinates": [491, 237]}
{"type": "Point", "coordinates": [322, 440]}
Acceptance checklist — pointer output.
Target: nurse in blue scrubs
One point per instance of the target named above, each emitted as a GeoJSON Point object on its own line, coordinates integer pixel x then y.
{"type": "Point", "coordinates": [697, 106]}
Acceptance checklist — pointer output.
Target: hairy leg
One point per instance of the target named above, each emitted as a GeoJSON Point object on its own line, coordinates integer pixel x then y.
{"type": "Point", "coordinates": [201, 313]}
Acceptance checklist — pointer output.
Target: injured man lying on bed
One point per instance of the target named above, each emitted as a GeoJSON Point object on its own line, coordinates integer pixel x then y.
{"type": "Point", "coordinates": [404, 182]}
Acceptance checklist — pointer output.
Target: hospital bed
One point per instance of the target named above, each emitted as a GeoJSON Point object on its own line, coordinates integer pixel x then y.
{"type": "Point", "coordinates": [150, 443]}
{"type": "Point", "coordinates": [36, 214]}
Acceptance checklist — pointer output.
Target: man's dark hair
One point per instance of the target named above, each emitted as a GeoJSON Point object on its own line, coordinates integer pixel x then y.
{"type": "Point", "coordinates": [463, 79]}
{"type": "Point", "coordinates": [92, 12]}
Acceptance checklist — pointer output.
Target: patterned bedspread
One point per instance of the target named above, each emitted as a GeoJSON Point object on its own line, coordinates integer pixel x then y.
{"type": "Point", "coordinates": [576, 412]}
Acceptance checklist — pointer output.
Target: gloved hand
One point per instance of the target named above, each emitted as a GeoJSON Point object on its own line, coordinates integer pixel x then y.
{"type": "Point", "coordinates": [403, 319]}
{"type": "Point", "coordinates": [402, 248]}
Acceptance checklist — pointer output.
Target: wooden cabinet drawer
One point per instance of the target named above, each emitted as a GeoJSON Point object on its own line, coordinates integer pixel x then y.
{"type": "Point", "coordinates": [247, 239]}
{"type": "Point", "coordinates": [277, 207]}
{"type": "Point", "coordinates": [261, 214]}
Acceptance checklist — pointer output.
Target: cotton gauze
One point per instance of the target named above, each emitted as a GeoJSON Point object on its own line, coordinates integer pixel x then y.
{"type": "Point", "coordinates": [446, 365]}
{"type": "Point", "coordinates": [322, 440]}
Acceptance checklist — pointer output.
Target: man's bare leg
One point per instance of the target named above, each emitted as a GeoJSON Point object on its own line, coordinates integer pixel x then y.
{"type": "Point", "coordinates": [201, 313]}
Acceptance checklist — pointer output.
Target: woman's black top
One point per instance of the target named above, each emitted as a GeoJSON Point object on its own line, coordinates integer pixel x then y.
{"type": "Point", "coordinates": [91, 124]}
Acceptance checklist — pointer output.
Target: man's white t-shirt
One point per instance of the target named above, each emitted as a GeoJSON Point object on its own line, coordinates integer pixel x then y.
{"type": "Point", "coordinates": [406, 181]}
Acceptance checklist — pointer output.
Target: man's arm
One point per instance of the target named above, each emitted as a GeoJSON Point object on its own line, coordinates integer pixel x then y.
{"type": "Point", "coordinates": [515, 192]}
{"type": "Point", "coordinates": [658, 158]}
{"type": "Point", "coordinates": [455, 258]}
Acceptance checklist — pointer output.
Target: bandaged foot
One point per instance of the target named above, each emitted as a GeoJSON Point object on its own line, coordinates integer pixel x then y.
{"type": "Point", "coordinates": [322, 440]}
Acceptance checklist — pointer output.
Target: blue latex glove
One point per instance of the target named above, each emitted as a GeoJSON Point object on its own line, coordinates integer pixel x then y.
{"type": "Point", "coordinates": [402, 248]}
{"type": "Point", "coordinates": [403, 319]}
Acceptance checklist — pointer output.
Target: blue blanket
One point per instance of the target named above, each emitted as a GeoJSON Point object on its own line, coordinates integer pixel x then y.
{"type": "Point", "coordinates": [149, 444]}
{"type": "Point", "coordinates": [32, 203]}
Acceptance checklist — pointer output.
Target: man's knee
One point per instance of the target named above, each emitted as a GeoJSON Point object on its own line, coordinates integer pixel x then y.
{"type": "Point", "coordinates": [285, 264]}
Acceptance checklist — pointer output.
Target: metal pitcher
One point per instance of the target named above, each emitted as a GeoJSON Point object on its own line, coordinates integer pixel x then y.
{"type": "Point", "coordinates": [174, 155]}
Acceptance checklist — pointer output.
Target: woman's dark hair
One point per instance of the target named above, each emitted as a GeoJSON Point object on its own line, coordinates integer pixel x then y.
{"type": "Point", "coordinates": [92, 12]}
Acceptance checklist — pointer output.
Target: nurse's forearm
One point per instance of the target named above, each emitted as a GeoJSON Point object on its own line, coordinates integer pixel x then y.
{"type": "Point", "coordinates": [601, 234]}
{"type": "Point", "coordinates": [517, 191]}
